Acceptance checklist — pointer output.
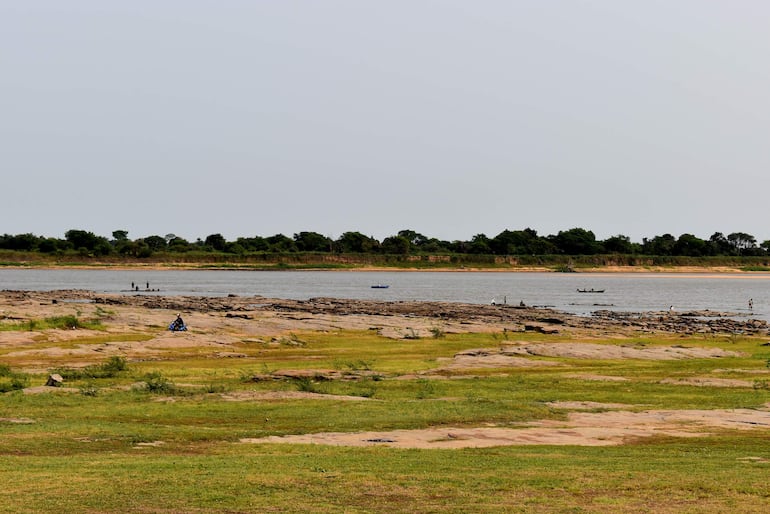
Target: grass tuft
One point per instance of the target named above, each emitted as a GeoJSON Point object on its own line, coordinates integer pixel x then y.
{"type": "Point", "coordinates": [110, 369]}
{"type": "Point", "coordinates": [157, 383]}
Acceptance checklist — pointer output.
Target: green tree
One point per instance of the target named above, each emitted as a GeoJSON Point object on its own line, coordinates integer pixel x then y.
{"type": "Point", "coordinates": [576, 241]}
{"type": "Point", "coordinates": [744, 243]}
{"type": "Point", "coordinates": [719, 245]}
{"type": "Point", "coordinates": [280, 243]}
{"type": "Point", "coordinates": [519, 242]}
{"type": "Point", "coordinates": [24, 242]}
{"type": "Point", "coordinates": [480, 245]}
{"type": "Point", "coordinates": [312, 242]}
{"type": "Point", "coordinates": [216, 242]}
{"type": "Point", "coordinates": [253, 244]}
{"type": "Point", "coordinates": [356, 242]}
{"type": "Point", "coordinates": [618, 244]}
{"type": "Point", "coordinates": [120, 235]}
{"type": "Point", "coordinates": [434, 245]}
{"type": "Point", "coordinates": [691, 246]}
{"type": "Point", "coordinates": [52, 244]}
{"type": "Point", "coordinates": [88, 242]}
{"type": "Point", "coordinates": [659, 245]}
{"type": "Point", "coordinates": [155, 243]}
{"type": "Point", "coordinates": [415, 239]}
{"type": "Point", "coordinates": [179, 244]}
{"type": "Point", "coordinates": [395, 245]}
{"type": "Point", "coordinates": [235, 248]}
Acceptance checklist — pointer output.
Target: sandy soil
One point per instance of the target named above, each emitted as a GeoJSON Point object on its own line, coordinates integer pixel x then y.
{"type": "Point", "coordinates": [581, 429]}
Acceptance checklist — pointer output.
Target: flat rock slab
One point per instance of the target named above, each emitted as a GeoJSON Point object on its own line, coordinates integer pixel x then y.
{"type": "Point", "coordinates": [581, 429]}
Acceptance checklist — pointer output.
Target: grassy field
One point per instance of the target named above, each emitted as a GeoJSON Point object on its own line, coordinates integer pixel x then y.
{"type": "Point", "coordinates": [163, 435]}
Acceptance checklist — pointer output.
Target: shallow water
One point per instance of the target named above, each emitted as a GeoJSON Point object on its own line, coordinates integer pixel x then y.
{"type": "Point", "coordinates": [627, 292]}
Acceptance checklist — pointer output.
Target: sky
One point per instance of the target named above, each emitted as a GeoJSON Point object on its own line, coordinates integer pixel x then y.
{"type": "Point", "coordinates": [448, 117]}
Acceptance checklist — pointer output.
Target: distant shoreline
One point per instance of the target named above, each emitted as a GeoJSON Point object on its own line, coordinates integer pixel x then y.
{"type": "Point", "coordinates": [715, 270]}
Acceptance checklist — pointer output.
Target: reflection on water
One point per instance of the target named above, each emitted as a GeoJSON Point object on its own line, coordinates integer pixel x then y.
{"type": "Point", "coordinates": [628, 292]}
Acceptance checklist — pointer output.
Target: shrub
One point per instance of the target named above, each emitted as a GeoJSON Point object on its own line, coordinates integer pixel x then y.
{"type": "Point", "coordinates": [69, 321]}
{"type": "Point", "coordinates": [156, 383]}
{"type": "Point", "coordinates": [306, 385]}
{"type": "Point", "coordinates": [112, 368]}
{"type": "Point", "coordinates": [215, 388]}
{"type": "Point", "coordinates": [426, 388]}
{"type": "Point", "coordinates": [17, 381]}
{"type": "Point", "coordinates": [89, 390]}
{"type": "Point", "coordinates": [411, 334]}
{"type": "Point", "coordinates": [437, 333]}
{"type": "Point", "coordinates": [115, 364]}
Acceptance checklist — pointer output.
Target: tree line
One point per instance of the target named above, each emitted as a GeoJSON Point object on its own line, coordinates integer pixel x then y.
{"type": "Point", "coordinates": [575, 241]}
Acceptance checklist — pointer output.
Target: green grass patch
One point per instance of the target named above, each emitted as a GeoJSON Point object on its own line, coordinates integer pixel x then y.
{"type": "Point", "coordinates": [12, 380]}
{"type": "Point", "coordinates": [110, 369]}
{"type": "Point", "coordinates": [66, 322]}
{"type": "Point", "coordinates": [162, 435]}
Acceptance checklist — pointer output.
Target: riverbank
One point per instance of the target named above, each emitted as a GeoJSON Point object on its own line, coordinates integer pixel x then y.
{"type": "Point", "coordinates": [378, 262]}
{"type": "Point", "coordinates": [451, 396]}
{"type": "Point", "coordinates": [275, 317]}
{"type": "Point", "coordinates": [716, 270]}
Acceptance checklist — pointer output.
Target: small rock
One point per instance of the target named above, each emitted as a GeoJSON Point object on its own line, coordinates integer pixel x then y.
{"type": "Point", "coordinates": [54, 380]}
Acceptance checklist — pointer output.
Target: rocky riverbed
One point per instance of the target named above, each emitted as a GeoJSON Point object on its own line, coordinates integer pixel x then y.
{"type": "Point", "coordinates": [405, 314]}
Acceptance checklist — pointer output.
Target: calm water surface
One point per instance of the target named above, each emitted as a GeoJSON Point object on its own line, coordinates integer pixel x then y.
{"type": "Point", "coordinates": [627, 292]}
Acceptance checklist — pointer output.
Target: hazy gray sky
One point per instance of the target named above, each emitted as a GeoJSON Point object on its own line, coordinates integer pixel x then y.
{"type": "Point", "coordinates": [448, 117]}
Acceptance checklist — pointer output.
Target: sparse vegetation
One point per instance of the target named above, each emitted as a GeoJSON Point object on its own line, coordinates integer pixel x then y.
{"type": "Point", "coordinates": [437, 332]}
{"type": "Point", "coordinates": [67, 322]}
{"type": "Point", "coordinates": [411, 334]}
{"type": "Point", "coordinates": [156, 383]}
{"type": "Point", "coordinates": [307, 384]}
{"type": "Point", "coordinates": [12, 380]}
{"type": "Point", "coordinates": [112, 368]}
{"type": "Point", "coordinates": [175, 442]}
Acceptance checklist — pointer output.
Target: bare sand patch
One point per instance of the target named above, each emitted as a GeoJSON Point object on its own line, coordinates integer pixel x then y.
{"type": "Point", "coordinates": [708, 382]}
{"type": "Point", "coordinates": [520, 354]}
{"type": "Point", "coordinates": [601, 378]}
{"type": "Point", "coordinates": [753, 459]}
{"type": "Point", "coordinates": [48, 390]}
{"type": "Point", "coordinates": [581, 429]}
{"type": "Point", "coordinates": [151, 444]}
{"type": "Point", "coordinates": [22, 421]}
{"type": "Point", "coordinates": [490, 358]}
{"type": "Point", "coordinates": [612, 352]}
{"type": "Point", "coordinates": [744, 371]}
{"type": "Point", "coordinates": [244, 396]}
{"type": "Point", "coordinates": [587, 405]}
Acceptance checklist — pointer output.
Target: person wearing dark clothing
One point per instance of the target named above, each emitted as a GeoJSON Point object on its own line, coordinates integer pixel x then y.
{"type": "Point", "coordinates": [178, 323]}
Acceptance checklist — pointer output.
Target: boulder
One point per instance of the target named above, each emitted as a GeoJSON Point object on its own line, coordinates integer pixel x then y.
{"type": "Point", "coordinates": [54, 380]}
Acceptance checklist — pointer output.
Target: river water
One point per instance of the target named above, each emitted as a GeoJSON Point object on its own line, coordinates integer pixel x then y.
{"type": "Point", "coordinates": [624, 292]}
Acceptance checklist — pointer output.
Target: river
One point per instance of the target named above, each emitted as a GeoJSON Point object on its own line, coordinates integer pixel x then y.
{"type": "Point", "coordinates": [623, 291]}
